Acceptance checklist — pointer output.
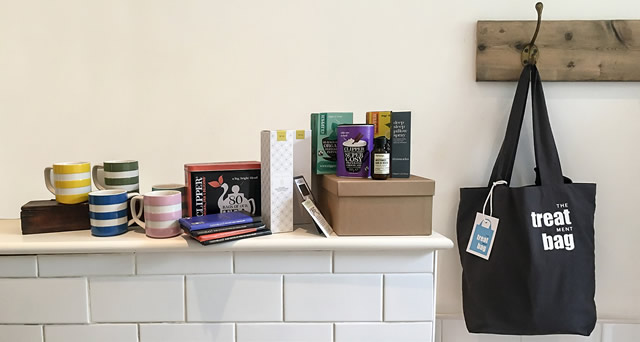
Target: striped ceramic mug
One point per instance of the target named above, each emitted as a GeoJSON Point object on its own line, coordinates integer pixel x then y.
{"type": "Point", "coordinates": [177, 187]}
{"type": "Point", "coordinates": [162, 210]}
{"type": "Point", "coordinates": [70, 182]}
{"type": "Point", "coordinates": [108, 212]}
{"type": "Point", "coordinates": [118, 174]}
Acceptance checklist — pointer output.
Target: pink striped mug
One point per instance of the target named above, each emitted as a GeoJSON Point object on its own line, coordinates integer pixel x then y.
{"type": "Point", "coordinates": [162, 210]}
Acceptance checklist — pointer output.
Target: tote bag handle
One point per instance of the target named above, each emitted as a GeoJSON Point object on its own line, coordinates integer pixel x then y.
{"type": "Point", "coordinates": [545, 150]}
{"type": "Point", "coordinates": [546, 154]}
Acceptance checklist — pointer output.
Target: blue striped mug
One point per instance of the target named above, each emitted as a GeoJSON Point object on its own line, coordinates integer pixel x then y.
{"type": "Point", "coordinates": [108, 210]}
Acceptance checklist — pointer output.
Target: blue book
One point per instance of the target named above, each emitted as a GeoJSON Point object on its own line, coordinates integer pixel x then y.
{"type": "Point", "coordinates": [218, 220]}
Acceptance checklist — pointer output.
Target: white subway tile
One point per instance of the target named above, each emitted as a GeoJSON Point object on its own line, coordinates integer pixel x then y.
{"type": "Point", "coordinates": [234, 298]}
{"type": "Point", "coordinates": [333, 297]}
{"type": "Point", "coordinates": [285, 332]}
{"type": "Point", "coordinates": [186, 332]}
{"type": "Point", "coordinates": [408, 297]}
{"type": "Point", "coordinates": [283, 262]}
{"type": "Point", "coordinates": [91, 333]}
{"type": "Point", "coordinates": [438, 332]}
{"type": "Point", "coordinates": [85, 265]}
{"type": "Point", "coordinates": [20, 333]}
{"type": "Point", "coordinates": [137, 299]}
{"type": "Point", "coordinates": [596, 336]}
{"type": "Point", "coordinates": [184, 263]}
{"type": "Point", "coordinates": [18, 266]}
{"type": "Point", "coordinates": [620, 332]}
{"type": "Point", "coordinates": [43, 300]}
{"type": "Point", "coordinates": [383, 332]}
{"type": "Point", "coordinates": [383, 262]}
{"type": "Point", "coordinates": [454, 330]}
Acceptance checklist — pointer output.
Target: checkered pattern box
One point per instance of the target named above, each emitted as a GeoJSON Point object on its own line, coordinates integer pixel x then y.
{"type": "Point", "coordinates": [277, 175]}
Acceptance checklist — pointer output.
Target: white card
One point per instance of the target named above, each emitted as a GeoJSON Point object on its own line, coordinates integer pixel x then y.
{"type": "Point", "coordinates": [483, 234]}
{"type": "Point", "coordinates": [321, 223]}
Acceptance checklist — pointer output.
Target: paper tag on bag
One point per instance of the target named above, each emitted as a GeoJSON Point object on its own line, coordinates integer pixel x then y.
{"type": "Point", "coordinates": [482, 236]}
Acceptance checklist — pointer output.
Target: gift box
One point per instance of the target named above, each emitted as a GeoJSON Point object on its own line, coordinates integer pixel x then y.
{"type": "Point", "coordinates": [359, 206]}
{"type": "Point", "coordinates": [222, 187]}
{"type": "Point", "coordinates": [276, 153]}
{"type": "Point", "coordinates": [49, 216]}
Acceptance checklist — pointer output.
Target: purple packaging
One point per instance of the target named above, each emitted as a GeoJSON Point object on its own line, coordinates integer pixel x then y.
{"type": "Point", "coordinates": [355, 143]}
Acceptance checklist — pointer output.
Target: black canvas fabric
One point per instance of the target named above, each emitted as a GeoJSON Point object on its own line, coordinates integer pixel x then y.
{"type": "Point", "coordinates": [526, 288]}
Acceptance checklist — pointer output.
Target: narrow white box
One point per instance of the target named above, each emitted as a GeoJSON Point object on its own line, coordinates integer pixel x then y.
{"type": "Point", "coordinates": [277, 179]}
{"type": "Point", "coordinates": [301, 167]}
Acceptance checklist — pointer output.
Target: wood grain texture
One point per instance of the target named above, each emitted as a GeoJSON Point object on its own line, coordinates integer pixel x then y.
{"type": "Point", "coordinates": [580, 50]}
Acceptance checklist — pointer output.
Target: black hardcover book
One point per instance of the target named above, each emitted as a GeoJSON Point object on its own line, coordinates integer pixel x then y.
{"type": "Point", "coordinates": [222, 229]}
{"type": "Point", "coordinates": [237, 237]}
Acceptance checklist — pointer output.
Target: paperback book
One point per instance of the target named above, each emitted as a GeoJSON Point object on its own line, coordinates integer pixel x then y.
{"type": "Point", "coordinates": [218, 220]}
{"type": "Point", "coordinates": [234, 235]}
{"type": "Point", "coordinates": [201, 232]}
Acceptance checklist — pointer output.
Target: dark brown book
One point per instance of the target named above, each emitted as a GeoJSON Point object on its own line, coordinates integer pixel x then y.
{"type": "Point", "coordinates": [48, 216]}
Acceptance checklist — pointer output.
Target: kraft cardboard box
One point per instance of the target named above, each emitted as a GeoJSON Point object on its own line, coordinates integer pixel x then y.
{"type": "Point", "coordinates": [301, 167]}
{"type": "Point", "coordinates": [358, 206]}
{"type": "Point", "coordinates": [400, 144]}
{"type": "Point", "coordinates": [276, 150]}
{"type": "Point", "coordinates": [324, 130]}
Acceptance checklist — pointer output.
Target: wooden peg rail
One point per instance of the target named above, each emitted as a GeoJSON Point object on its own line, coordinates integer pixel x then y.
{"type": "Point", "coordinates": [584, 50]}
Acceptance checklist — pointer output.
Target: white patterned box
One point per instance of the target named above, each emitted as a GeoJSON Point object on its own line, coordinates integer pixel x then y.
{"type": "Point", "coordinates": [301, 167]}
{"type": "Point", "coordinates": [277, 179]}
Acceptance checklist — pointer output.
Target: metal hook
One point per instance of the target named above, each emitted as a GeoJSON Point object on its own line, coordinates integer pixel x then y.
{"type": "Point", "coordinates": [529, 54]}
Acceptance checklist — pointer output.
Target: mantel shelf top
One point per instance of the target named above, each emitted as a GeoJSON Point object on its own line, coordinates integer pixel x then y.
{"type": "Point", "coordinates": [13, 242]}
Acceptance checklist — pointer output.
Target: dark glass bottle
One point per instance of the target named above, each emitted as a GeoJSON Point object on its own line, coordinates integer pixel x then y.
{"type": "Point", "coordinates": [380, 159]}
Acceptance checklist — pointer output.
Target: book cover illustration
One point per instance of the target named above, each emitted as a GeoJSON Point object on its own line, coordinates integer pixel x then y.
{"type": "Point", "coordinates": [212, 190]}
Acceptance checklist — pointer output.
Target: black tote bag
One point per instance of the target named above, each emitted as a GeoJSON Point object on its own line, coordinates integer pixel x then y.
{"type": "Point", "coordinates": [540, 275]}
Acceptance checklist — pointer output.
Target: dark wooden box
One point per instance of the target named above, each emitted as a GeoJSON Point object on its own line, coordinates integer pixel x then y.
{"type": "Point", "coordinates": [48, 216]}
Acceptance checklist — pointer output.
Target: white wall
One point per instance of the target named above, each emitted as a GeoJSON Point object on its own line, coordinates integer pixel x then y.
{"type": "Point", "coordinates": [169, 82]}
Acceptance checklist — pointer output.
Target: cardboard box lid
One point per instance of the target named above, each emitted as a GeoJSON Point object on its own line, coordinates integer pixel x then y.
{"type": "Point", "coordinates": [223, 166]}
{"type": "Point", "coordinates": [412, 186]}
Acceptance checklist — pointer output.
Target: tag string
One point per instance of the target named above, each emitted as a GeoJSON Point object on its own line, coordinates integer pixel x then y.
{"type": "Point", "coordinates": [490, 198]}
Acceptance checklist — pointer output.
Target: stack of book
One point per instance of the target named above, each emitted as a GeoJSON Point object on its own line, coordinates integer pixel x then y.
{"type": "Point", "coordinates": [216, 228]}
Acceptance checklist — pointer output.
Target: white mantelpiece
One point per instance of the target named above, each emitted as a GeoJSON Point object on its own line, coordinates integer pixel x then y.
{"type": "Point", "coordinates": [287, 287]}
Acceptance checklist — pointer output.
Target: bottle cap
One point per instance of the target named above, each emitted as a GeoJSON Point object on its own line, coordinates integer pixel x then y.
{"type": "Point", "coordinates": [380, 142]}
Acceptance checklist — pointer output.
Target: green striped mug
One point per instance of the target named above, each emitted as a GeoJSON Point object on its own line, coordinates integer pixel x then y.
{"type": "Point", "coordinates": [117, 174]}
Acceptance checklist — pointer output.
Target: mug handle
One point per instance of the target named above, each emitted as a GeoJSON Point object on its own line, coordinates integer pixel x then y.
{"type": "Point", "coordinates": [129, 197]}
{"type": "Point", "coordinates": [137, 215]}
{"type": "Point", "coordinates": [47, 179]}
{"type": "Point", "coordinates": [99, 184]}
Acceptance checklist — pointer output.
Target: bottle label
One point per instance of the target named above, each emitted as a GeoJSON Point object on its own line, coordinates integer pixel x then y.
{"type": "Point", "coordinates": [381, 163]}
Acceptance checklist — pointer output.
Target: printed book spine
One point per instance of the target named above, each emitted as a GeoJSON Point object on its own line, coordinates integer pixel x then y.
{"type": "Point", "coordinates": [215, 224]}
{"type": "Point", "coordinates": [201, 232]}
{"type": "Point", "coordinates": [236, 237]}
{"type": "Point", "coordinates": [227, 234]}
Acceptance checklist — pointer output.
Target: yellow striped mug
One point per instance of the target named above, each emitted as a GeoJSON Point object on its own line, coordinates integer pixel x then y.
{"type": "Point", "coordinates": [70, 182]}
